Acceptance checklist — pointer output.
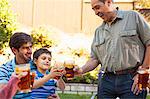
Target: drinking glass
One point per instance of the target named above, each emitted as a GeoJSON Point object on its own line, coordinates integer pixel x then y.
{"type": "Point", "coordinates": [69, 65]}
{"type": "Point", "coordinates": [60, 67]}
{"type": "Point", "coordinates": [25, 82]}
{"type": "Point", "coordinates": [143, 78]}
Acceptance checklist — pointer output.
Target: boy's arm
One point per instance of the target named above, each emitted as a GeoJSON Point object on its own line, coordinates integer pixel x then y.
{"type": "Point", "coordinates": [40, 82]}
{"type": "Point", "coordinates": [61, 84]}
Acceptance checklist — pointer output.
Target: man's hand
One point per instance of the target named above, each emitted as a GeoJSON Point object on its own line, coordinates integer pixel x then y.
{"type": "Point", "coordinates": [77, 71]}
{"type": "Point", "coordinates": [135, 88]}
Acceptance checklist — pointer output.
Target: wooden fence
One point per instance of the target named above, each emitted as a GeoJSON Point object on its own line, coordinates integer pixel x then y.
{"type": "Point", "coordinates": [72, 16]}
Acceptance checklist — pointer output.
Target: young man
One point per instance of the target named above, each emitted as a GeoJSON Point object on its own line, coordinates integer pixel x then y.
{"type": "Point", "coordinates": [120, 45]}
{"type": "Point", "coordinates": [21, 45]}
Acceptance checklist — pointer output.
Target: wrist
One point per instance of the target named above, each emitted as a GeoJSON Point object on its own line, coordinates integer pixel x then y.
{"type": "Point", "coordinates": [50, 76]}
{"type": "Point", "coordinates": [145, 66]}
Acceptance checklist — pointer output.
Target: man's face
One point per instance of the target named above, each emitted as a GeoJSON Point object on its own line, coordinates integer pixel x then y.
{"type": "Point", "coordinates": [101, 9]}
{"type": "Point", "coordinates": [24, 52]}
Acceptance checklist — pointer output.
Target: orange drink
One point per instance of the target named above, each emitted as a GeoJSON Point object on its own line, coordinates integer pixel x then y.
{"type": "Point", "coordinates": [69, 65]}
{"type": "Point", "coordinates": [24, 84]}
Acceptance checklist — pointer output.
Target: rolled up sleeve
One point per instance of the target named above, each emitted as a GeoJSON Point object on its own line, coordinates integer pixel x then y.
{"type": "Point", "coordinates": [143, 28]}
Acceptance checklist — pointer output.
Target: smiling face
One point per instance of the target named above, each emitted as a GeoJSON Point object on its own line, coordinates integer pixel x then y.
{"type": "Point", "coordinates": [23, 54]}
{"type": "Point", "coordinates": [103, 10]}
{"type": "Point", "coordinates": [43, 62]}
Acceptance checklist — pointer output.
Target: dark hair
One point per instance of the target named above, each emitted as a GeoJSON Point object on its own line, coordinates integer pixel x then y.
{"type": "Point", "coordinates": [18, 39]}
{"type": "Point", "coordinates": [102, 1]}
{"type": "Point", "coordinates": [105, 0]}
{"type": "Point", "coordinates": [40, 51]}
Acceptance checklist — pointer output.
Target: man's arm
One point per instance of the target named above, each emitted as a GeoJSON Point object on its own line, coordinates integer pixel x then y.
{"type": "Point", "coordinates": [90, 65]}
{"type": "Point", "coordinates": [146, 64]}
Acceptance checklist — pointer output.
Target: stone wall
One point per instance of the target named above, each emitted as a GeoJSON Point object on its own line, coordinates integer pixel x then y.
{"type": "Point", "coordinates": [77, 88]}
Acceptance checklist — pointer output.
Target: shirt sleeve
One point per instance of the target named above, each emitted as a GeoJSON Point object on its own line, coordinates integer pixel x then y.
{"type": "Point", "coordinates": [4, 74]}
{"type": "Point", "coordinates": [93, 49]}
{"type": "Point", "coordinates": [55, 82]}
{"type": "Point", "coordinates": [143, 29]}
{"type": "Point", "coordinates": [9, 90]}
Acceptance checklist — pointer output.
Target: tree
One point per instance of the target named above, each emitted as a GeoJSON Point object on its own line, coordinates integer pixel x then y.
{"type": "Point", "coordinates": [7, 23]}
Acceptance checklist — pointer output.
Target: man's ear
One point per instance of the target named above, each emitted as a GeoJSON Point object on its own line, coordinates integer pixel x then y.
{"type": "Point", "coordinates": [14, 50]}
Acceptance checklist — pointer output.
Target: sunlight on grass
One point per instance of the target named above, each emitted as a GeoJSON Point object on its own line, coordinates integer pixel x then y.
{"type": "Point", "coordinates": [74, 96]}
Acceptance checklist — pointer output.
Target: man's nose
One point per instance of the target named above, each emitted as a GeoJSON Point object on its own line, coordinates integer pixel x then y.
{"type": "Point", "coordinates": [30, 49]}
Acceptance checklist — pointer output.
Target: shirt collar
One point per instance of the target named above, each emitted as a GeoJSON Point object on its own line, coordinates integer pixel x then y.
{"type": "Point", "coordinates": [119, 16]}
{"type": "Point", "coordinates": [40, 74]}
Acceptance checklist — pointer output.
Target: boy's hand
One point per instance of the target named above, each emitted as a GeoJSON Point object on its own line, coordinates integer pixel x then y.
{"type": "Point", "coordinates": [55, 73]}
{"type": "Point", "coordinates": [53, 96]}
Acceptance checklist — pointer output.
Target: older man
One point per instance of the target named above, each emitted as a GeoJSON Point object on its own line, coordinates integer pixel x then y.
{"type": "Point", "coordinates": [120, 45]}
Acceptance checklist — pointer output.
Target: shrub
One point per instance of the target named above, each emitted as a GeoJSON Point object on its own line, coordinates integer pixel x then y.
{"type": "Point", "coordinates": [41, 37]}
{"type": "Point", "coordinates": [7, 23]}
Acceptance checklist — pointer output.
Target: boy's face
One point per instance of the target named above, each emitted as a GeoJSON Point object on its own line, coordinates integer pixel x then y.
{"type": "Point", "coordinates": [43, 62]}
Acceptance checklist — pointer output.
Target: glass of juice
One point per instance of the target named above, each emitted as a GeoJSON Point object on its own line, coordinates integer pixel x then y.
{"type": "Point", "coordinates": [59, 67]}
{"type": "Point", "coordinates": [25, 82]}
{"type": "Point", "coordinates": [69, 65]}
{"type": "Point", "coordinates": [143, 78]}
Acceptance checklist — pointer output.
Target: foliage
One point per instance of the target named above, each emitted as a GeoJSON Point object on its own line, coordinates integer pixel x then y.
{"type": "Point", "coordinates": [7, 23]}
{"type": "Point", "coordinates": [143, 3]}
{"type": "Point", "coordinates": [41, 37]}
{"type": "Point", "coordinates": [80, 52]}
{"type": "Point", "coordinates": [87, 79]}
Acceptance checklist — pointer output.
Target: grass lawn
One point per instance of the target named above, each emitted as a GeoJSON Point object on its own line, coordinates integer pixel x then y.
{"type": "Point", "coordinates": [74, 96]}
{"type": "Point", "coordinates": [148, 97]}
{"type": "Point", "coordinates": [77, 96]}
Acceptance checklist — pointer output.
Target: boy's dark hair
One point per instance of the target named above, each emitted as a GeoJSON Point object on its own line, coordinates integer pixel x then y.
{"type": "Point", "coordinates": [40, 51]}
{"type": "Point", "coordinates": [18, 39]}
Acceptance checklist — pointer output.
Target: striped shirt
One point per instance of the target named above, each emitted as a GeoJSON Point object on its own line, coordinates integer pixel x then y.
{"type": "Point", "coordinates": [44, 91]}
{"type": "Point", "coordinates": [6, 71]}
